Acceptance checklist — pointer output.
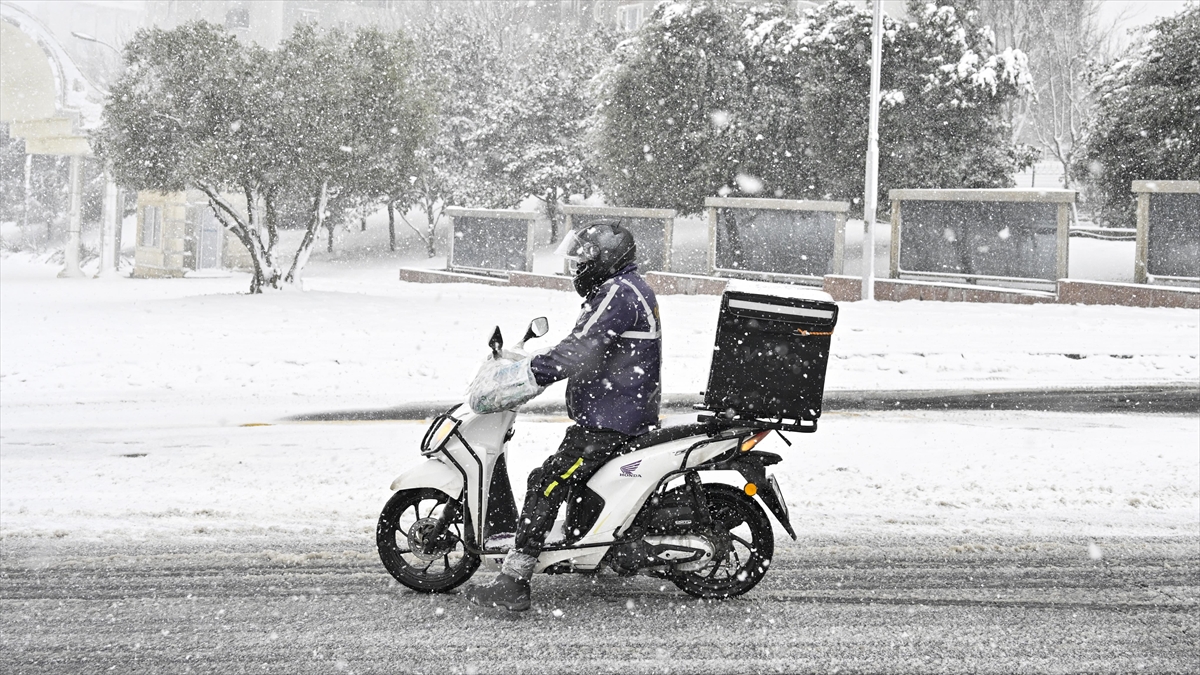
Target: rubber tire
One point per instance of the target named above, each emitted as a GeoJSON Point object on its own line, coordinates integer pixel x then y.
{"type": "Point", "coordinates": [733, 507]}
{"type": "Point", "coordinates": [393, 560]}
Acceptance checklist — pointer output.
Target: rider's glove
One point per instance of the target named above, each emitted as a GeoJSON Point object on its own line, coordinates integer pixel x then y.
{"type": "Point", "coordinates": [502, 384]}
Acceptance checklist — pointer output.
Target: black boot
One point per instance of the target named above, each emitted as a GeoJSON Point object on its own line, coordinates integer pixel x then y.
{"type": "Point", "coordinates": [504, 591]}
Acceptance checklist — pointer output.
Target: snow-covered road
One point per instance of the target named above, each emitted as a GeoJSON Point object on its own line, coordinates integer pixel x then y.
{"type": "Point", "coordinates": [853, 604]}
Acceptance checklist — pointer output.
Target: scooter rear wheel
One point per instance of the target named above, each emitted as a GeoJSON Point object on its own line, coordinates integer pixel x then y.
{"type": "Point", "coordinates": [406, 518]}
{"type": "Point", "coordinates": [751, 545]}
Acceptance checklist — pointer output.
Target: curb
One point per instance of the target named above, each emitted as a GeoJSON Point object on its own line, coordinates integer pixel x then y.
{"type": "Point", "coordinates": [1163, 399]}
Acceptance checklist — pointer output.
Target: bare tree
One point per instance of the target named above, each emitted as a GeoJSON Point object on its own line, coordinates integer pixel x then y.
{"type": "Point", "coordinates": [1061, 39]}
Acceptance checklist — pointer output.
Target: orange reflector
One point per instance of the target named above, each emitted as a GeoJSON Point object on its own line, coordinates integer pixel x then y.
{"type": "Point", "coordinates": [753, 440]}
{"type": "Point", "coordinates": [751, 489]}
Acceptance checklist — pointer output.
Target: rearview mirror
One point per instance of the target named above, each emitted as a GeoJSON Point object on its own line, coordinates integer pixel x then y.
{"type": "Point", "coordinates": [496, 343]}
{"type": "Point", "coordinates": [537, 328]}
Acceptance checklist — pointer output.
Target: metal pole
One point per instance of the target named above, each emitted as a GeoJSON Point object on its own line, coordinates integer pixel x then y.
{"type": "Point", "coordinates": [120, 223]}
{"type": "Point", "coordinates": [108, 224]}
{"type": "Point", "coordinates": [71, 248]}
{"type": "Point", "coordinates": [872, 182]}
{"type": "Point", "coordinates": [28, 186]}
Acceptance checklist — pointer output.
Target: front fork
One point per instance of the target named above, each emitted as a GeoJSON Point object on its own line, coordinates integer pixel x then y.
{"type": "Point", "coordinates": [438, 538]}
{"type": "Point", "coordinates": [501, 509]}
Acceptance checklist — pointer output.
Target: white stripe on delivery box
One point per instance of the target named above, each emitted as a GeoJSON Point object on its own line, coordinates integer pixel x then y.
{"type": "Point", "coordinates": [781, 309]}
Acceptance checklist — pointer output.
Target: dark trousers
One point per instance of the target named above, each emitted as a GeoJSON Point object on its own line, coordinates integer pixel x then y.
{"type": "Point", "coordinates": [582, 453]}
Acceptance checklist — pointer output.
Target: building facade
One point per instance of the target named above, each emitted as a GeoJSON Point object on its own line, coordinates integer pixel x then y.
{"type": "Point", "coordinates": [177, 233]}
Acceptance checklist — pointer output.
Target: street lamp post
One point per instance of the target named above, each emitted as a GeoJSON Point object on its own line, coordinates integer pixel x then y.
{"type": "Point", "coordinates": [88, 38]}
{"type": "Point", "coordinates": [872, 182]}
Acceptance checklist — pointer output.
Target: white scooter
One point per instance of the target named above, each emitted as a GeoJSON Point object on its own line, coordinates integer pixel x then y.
{"type": "Point", "coordinates": [647, 511]}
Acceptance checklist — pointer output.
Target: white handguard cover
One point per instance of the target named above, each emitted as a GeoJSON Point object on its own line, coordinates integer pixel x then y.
{"type": "Point", "coordinates": [502, 384]}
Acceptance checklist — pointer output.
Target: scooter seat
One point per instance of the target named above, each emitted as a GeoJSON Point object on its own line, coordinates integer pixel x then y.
{"type": "Point", "coordinates": [666, 435]}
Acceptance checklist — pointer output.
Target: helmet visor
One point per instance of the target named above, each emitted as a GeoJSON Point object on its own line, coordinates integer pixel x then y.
{"type": "Point", "coordinates": [577, 249]}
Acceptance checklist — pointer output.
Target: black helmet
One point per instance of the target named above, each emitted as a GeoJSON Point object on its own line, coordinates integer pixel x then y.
{"type": "Point", "coordinates": [597, 252]}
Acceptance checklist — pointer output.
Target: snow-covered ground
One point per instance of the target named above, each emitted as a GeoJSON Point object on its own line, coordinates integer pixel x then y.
{"type": "Point", "coordinates": [909, 473]}
{"type": "Point", "coordinates": [123, 404]}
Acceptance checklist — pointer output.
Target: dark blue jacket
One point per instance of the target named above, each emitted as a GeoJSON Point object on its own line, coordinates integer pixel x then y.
{"type": "Point", "coordinates": [612, 358]}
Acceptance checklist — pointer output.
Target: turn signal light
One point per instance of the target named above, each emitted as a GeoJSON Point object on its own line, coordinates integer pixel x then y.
{"type": "Point", "coordinates": [753, 440]}
{"type": "Point", "coordinates": [751, 489]}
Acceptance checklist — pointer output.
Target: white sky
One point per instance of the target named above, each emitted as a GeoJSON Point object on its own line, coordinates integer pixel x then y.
{"type": "Point", "coordinates": [1131, 14]}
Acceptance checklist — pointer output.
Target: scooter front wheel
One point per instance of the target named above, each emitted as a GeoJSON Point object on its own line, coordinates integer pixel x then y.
{"type": "Point", "coordinates": [747, 547]}
{"type": "Point", "coordinates": [411, 551]}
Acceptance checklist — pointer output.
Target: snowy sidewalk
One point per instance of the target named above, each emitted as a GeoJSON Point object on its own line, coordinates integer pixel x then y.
{"type": "Point", "coordinates": [888, 473]}
{"type": "Point", "coordinates": [130, 352]}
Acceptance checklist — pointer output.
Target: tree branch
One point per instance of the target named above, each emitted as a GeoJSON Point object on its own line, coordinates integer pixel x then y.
{"type": "Point", "coordinates": [422, 237]}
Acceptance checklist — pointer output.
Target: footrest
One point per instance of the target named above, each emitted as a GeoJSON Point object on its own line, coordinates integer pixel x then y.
{"type": "Point", "coordinates": [501, 542]}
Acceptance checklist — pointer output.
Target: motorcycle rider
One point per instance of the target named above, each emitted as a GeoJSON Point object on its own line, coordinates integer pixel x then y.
{"type": "Point", "coordinates": [611, 361]}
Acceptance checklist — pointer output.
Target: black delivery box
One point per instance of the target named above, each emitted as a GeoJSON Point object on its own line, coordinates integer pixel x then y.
{"type": "Point", "coordinates": [770, 358]}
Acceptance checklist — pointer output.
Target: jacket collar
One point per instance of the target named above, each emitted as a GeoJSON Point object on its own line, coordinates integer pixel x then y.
{"type": "Point", "coordinates": [628, 269]}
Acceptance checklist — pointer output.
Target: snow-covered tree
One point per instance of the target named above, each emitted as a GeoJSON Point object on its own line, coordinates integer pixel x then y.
{"type": "Point", "coordinates": [356, 118]}
{"type": "Point", "coordinates": [1147, 122]}
{"type": "Point", "coordinates": [12, 176]}
{"type": "Point", "coordinates": [309, 123]}
{"type": "Point", "coordinates": [708, 100]}
{"type": "Point", "coordinates": [541, 143]}
{"type": "Point", "coordinates": [955, 132]}
{"type": "Point", "coordinates": [666, 107]}
{"type": "Point", "coordinates": [512, 110]}
{"type": "Point", "coordinates": [175, 121]}
{"type": "Point", "coordinates": [391, 127]}
{"type": "Point", "coordinates": [944, 89]}
{"type": "Point", "coordinates": [466, 62]}
{"type": "Point", "coordinates": [1061, 39]}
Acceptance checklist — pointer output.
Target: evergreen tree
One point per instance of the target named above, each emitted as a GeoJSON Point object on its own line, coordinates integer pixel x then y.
{"type": "Point", "coordinates": [1147, 122]}
{"type": "Point", "coordinates": [467, 65]}
{"type": "Point", "coordinates": [184, 115]}
{"type": "Point", "coordinates": [542, 144]}
{"type": "Point", "coordinates": [706, 100]}
{"type": "Point", "coordinates": [943, 94]}
{"type": "Point", "coordinates": [669, 109]}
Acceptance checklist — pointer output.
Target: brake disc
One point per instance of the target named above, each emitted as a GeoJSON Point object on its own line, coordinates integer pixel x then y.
{"type": "Point", "coordinates": [421, 546]}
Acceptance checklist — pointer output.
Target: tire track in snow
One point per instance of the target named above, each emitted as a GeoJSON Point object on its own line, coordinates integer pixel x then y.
{"type": "Point", "coordinates": [912, 605]}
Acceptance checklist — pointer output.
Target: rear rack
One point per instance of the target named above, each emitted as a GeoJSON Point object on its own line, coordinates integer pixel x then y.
{"type": "Point", "coordinates": [731, 418]}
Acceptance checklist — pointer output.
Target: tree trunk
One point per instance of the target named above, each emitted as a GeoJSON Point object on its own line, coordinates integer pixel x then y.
{"type": "Point", "coordinates": [430, 248]}
{"type": "Point", "coordinates": [120, 226]}
{"type": "Point", "coordinates": [310, 235]}
{"type": "Point", "coordinates": [553, 213]}
{"type": "Point", "coordinates": [329, 244]}
{"type": "Point", "coordinates": [258, 278]}
{"type": "Point", "coordinates": [264, 274]}
{"type": "Point", "coordinates": [272, 222]}
{"type": "Point", "coordinates": [271, 218]}
{"type": "Point", "coordinates": [391, 226]}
